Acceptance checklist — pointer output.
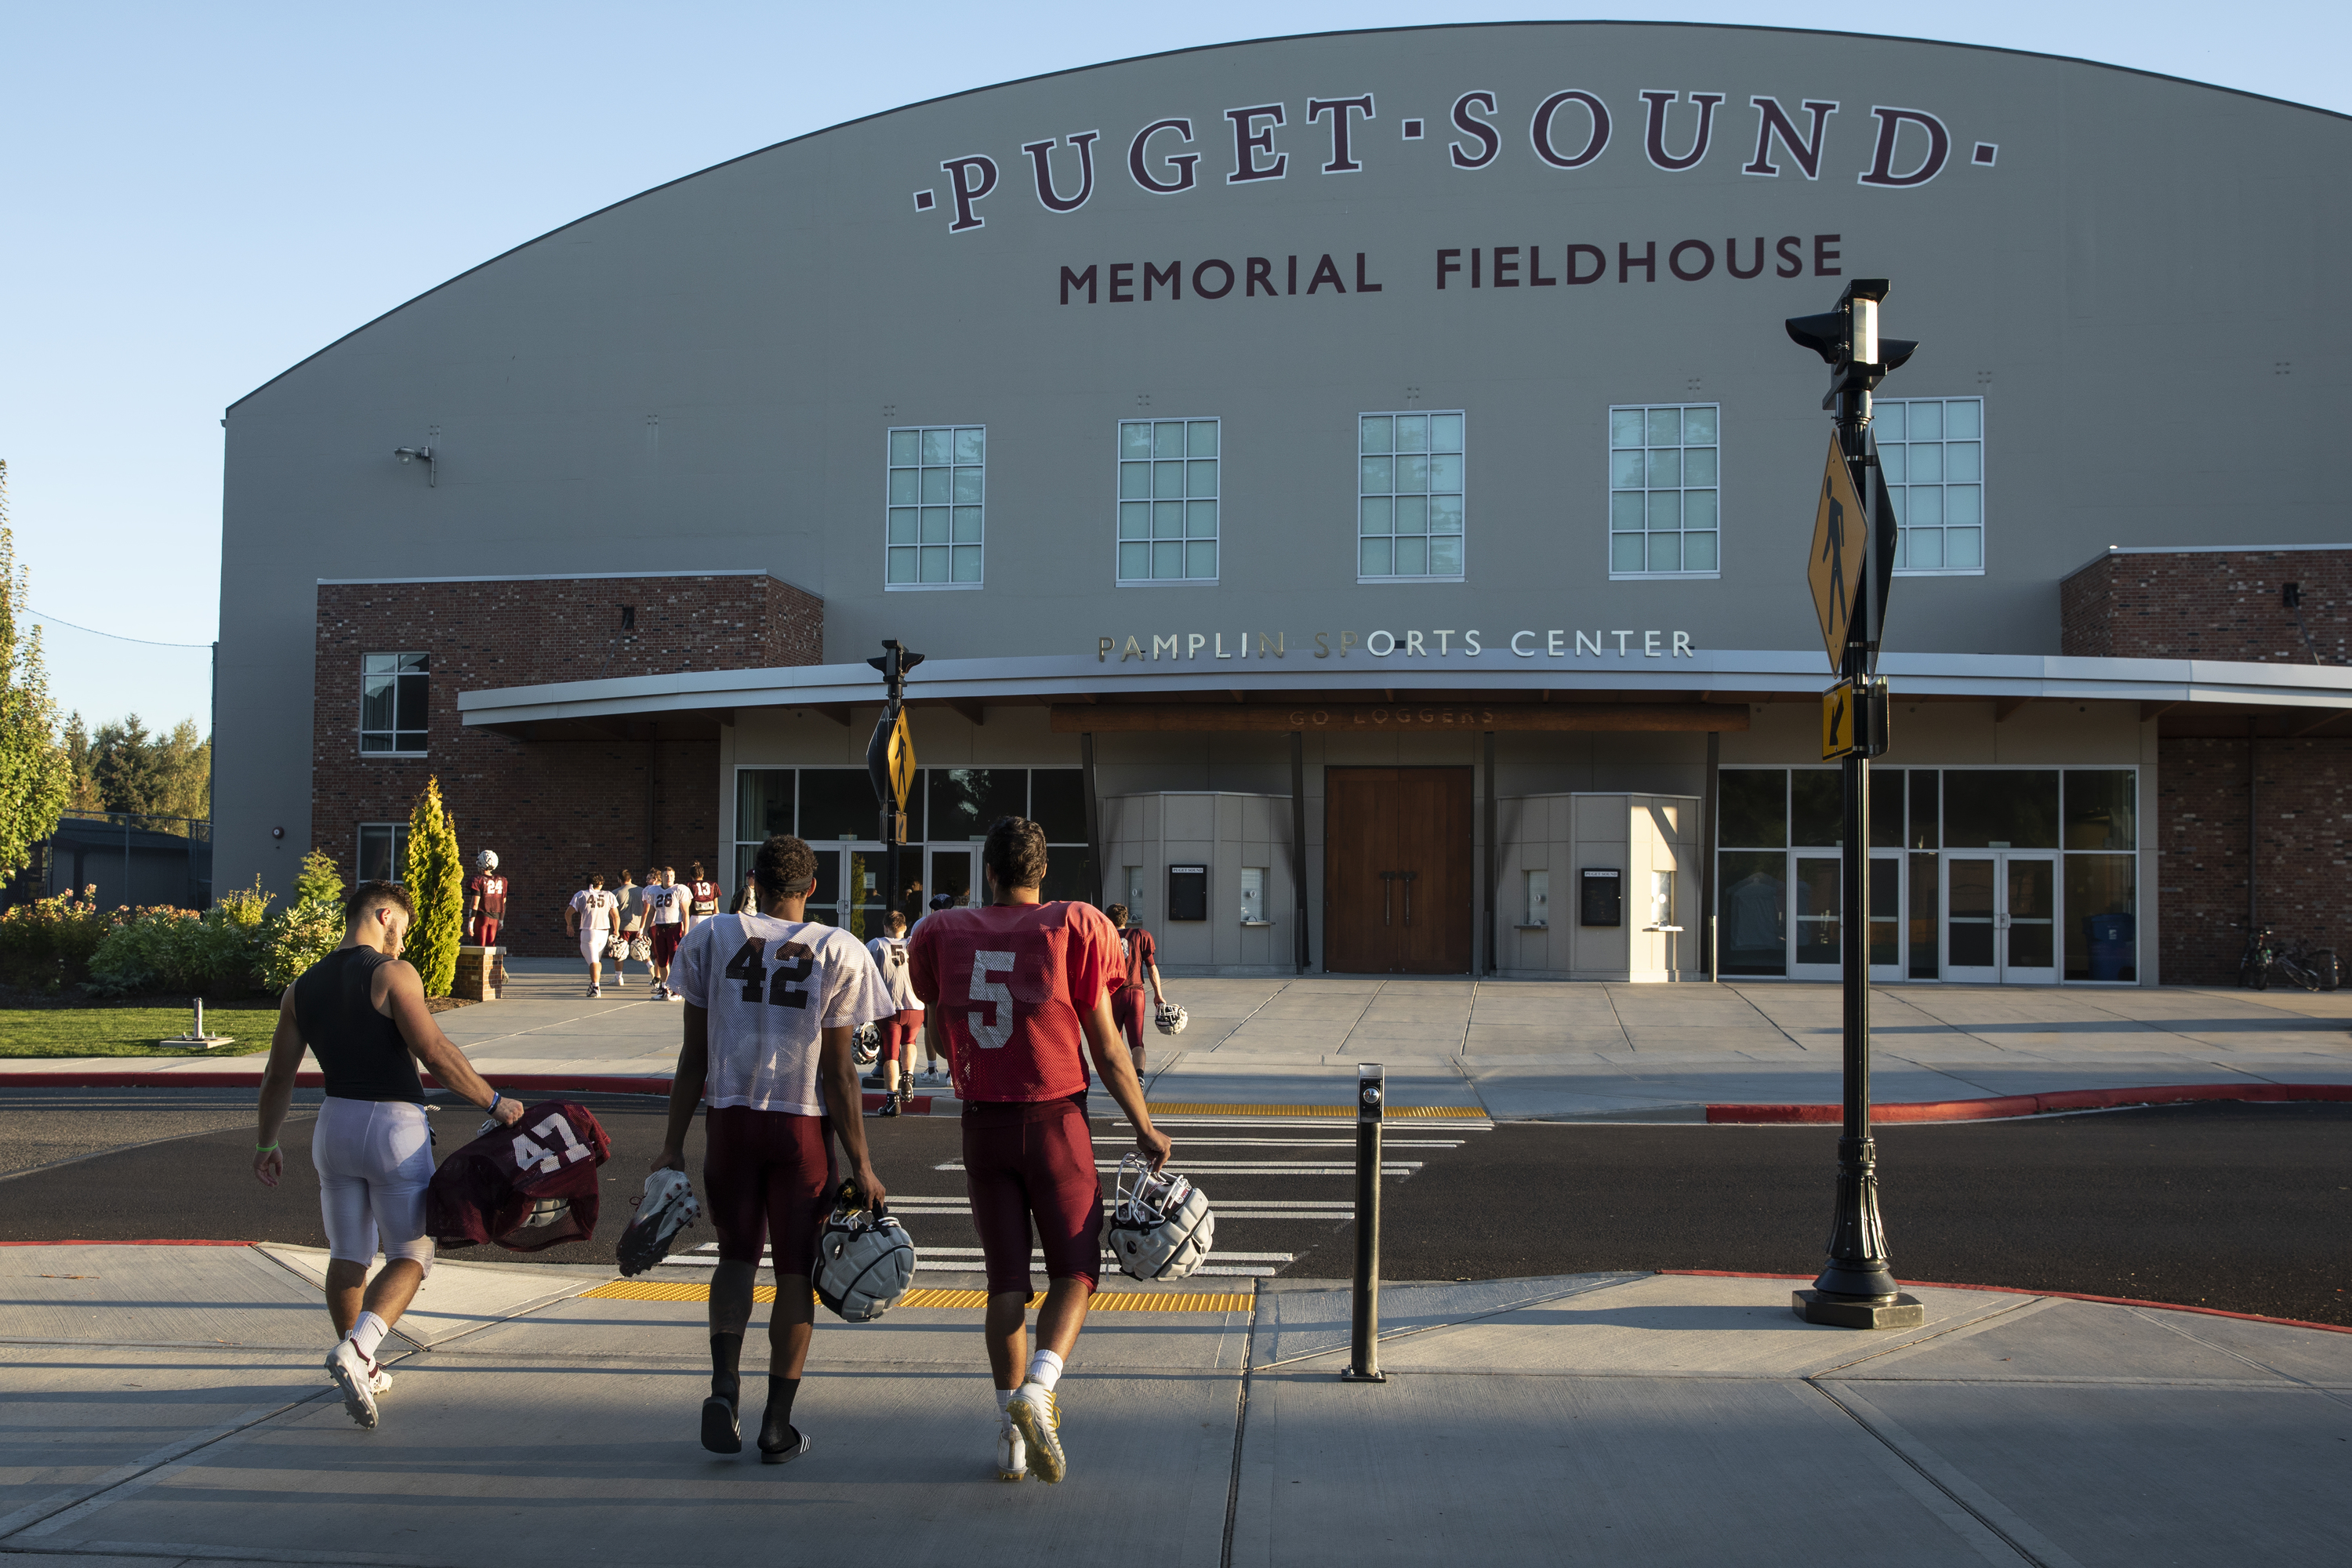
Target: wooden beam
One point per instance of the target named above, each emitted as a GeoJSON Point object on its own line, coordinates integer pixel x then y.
{"type": "Point", "coordinates": [2005, 708]}
{"type": "Point", "coordinates": [969, 708]}
{"type": "Point", "coordinates": [1369, 718]}
{"type": "Point", "coordinates": [2155, 710]}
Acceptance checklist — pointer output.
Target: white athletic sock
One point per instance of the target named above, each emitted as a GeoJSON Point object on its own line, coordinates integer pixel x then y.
{"type": "Point", "coordinates": [1005, 1406]}
{"type": "Point", "coordinates": [1046, 1370]}
{"type": "Point", "coordinates": [367, 1333]}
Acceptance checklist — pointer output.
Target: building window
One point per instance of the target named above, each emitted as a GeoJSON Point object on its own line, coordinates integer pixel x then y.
{"type": "Point", "coordinates": [937, 496]}
{"type": "Point", "coordinates": [1168, 500]}
{"type": "Point", "coordinates": [1665, 485]}
{"type": "Point", "coordinates": [1932, 451]}
{"type": "Point", "coordinates": [391, 702]}
{"type": "Point", "coordinates": [1408, 495]}
{"type": "Point", "coordinates": [383, 851]}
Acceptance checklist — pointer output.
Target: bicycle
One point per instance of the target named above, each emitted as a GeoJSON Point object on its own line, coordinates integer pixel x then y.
{"type": "Point", "coordinates": [2254, 964]}
{"type": "Point", "coordinates": [2313, 968]}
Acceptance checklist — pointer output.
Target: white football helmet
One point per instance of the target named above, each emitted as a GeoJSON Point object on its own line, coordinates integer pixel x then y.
{"type": "Point", "coordinates": [1161, 1226]}
{"type": "Point", "coordinates": [667, 1208]}
{"type": "Point", "coordinates": [864, 1262]}
{"type": "Point", "coordinates": [868, 1040]}
{"type": "Point", "coordinates": [487, 860]}
{"type": "Point", "coordinates": [1171, 1018]}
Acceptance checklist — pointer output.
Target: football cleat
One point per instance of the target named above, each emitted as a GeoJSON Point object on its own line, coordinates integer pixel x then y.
{"type": "Point", "coordinates": [1161, 1226]}
{"type": "Point", "coordinates": [379, 1380]}
{"type": "Point", "coordinates": [1171, 1019]}
{"type": "Point", "coordinates": [668, 1207]}
{"type": "Point", "coordinates": [352, 1375]}
{"type": "Point", "coordinates": [864, 1261]}
{"type": "Point", "coordinates": [1040, 1423]}
{"type": "Point", "coordinates": [1012, 1453]}
{"type": "Point", "coordinates": [594, 991]}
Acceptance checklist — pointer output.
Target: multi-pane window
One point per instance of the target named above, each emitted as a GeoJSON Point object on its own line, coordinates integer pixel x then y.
{"type": "Point", "coordinates": [383, 851]}
{"type": "Point", "coordinates": [1168, 500]}
{"type": "Point", "coordinates": [937, 496]}
{"type": "Point", "coordinates": [1408, 495]}
{"type": "Point", "coordinates": [392, 701]}
{"type": "Point", "coordinates": [1664, 489]}
{"type": "Point", "coordinates": [1932, 449]}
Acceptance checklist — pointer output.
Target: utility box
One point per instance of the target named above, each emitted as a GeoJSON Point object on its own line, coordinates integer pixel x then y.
{"type": "Point", "coordinates": [1188, 892]}
{"type": "Point", "coordinates": [1600, 896]}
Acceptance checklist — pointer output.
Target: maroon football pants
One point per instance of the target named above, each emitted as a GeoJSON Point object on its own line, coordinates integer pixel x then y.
{"type": "Point", "coordinates": [768, 1176]}
{"type": "Point", "coordinates": [1027, 1161]}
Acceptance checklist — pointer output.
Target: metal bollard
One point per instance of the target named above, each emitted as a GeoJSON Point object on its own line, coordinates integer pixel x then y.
{"type": "Point", "coordinates": [1364, 1358]}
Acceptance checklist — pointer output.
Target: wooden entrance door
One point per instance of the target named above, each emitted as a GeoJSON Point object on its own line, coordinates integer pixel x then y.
{"type": "Point", "coordinates": [1396, 880]}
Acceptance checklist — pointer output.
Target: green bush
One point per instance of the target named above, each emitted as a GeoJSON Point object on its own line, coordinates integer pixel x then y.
{"type": "Point", "coordinates": [48, 943]}
{"type": "Point", "coordinates": [216, 953]}
{"type": "Point", "coordinates": [318, 879]}
{"type": "Point", "coordinates": [297, 938]}
{"type": "Point", "coordinates": [436, 885]}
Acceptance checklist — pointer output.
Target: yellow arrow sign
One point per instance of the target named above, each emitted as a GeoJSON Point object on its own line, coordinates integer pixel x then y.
{"type": "Point", "coordinates": [1841, 546]}
{"type": "Point", "coordinates": [902, 759]}
{"type": "Point", "coordinates": [1837, 721]}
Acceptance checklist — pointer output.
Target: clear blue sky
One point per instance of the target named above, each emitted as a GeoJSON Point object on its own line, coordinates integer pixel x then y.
{"type": "Point", "coordinates": [198, 197]}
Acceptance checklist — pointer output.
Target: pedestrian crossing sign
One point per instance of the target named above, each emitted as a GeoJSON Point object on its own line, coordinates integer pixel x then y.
{"type": "Point", "coordinates": [901, 759]}
{"type": "Point", "coordinates": [1841, 548]}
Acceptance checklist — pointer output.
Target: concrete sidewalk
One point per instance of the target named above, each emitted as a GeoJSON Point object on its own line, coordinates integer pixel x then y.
{"type": "Point", "coordinates": [165, 1405]}
{"type": "Point", "coordinates": [1521, 1050]}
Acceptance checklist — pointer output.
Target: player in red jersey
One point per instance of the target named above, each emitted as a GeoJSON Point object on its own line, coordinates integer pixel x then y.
{"type": "Point", "coordinates": [702, 895]}
{"type": "Point", "coordinates": [1016, 992]}
{"type": "Point", "coordinates": [1127, 992]}
{"type": "Point", "coordinates": [487, 896]}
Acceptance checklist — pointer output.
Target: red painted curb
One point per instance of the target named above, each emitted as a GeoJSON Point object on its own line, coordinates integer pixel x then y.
{"type": "Point", "coordinates": [1994, 1108]}
{"type": "Point", "coordinates": [513, 1083]}
{"type": "Point", "coordinates": [2021, 1290]}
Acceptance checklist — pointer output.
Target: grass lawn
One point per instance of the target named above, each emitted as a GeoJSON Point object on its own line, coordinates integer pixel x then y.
{"type": "Point", "coordinates": [128, 1031]}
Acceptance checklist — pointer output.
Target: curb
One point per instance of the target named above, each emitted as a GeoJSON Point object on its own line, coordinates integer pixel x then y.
{"type": "Point", "coordinates": [521, 1083]}
{"type": "Point", "coordinates": [2021, 1290]}
{"type": "Point", "coordinates": [2002, 1106]}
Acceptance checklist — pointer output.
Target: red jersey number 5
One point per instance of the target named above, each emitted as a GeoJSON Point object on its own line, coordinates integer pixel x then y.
{"type": "Point", "coordinates": [991, 1037]}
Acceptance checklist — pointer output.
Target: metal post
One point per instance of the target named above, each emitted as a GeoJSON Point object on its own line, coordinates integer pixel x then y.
{"type": "Point", "coordinates": [1708, 810]}
{"type": "Point", "coordinates": [1364, 1358]}
{"type": "Point", "coordinates": [1492, 934]}
{"type": "Point", "coordinates": [1299, 949]}
{"type": "Point", "coordinates": [1093, 815]}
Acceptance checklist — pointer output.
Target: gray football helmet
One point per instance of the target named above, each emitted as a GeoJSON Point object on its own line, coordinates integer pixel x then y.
{"type": "Point", "coordinates": [1161, 1226]}
{"type": "Point", "coordinates": [868, 1041]}
{"type": "Point", "coordinates": [864, 1261]}
{"type": "Point", "coordinates": [487, 860]}
{"type": "Point", "coordinates": [1171, 1019]}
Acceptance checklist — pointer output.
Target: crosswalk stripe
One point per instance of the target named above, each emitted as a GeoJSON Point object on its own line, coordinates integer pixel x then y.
{"type": "Point", "coordinates": [1393, 1113]}
{"type": "Point", "coordinates": [966, 1301]}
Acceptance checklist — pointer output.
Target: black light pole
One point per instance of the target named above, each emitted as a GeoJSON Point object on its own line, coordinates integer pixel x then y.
{"type": "Point", "coordinates": [1856, 1288]}
{"type": "Point", "coordinates": [893, 664]}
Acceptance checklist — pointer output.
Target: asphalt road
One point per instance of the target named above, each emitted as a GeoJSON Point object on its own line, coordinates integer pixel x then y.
{"type": "Point", "coordinates": [2246, 1208]}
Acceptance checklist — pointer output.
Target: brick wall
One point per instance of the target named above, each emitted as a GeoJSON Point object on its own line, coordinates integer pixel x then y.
{"type": "Point", "coordinates": [2303, 807]}
{"type": "Point", "coordinates": [553, 809]}
{"type": "Point", "coordinates": [2194, 604]}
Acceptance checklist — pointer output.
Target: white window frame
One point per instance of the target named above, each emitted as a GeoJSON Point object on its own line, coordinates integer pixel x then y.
{"type": "Point", "coordinates": [1608, 517]}
{"type": "Point", "coordinates": [951, 507]}
{"type": "Point", "coordinates": [1361, 496]}
{"type": "Point", "coordinates": [1118, 499]}
{"type": "Point", "coordinates": [399, 831]}
{"type": "Point", "coordinates": [1983, 527]}
{"type": "Point", "coordinates": [398, 674]}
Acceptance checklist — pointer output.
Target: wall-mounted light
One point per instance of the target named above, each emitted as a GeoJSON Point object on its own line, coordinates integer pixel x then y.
{"type": "Point", "coordinates": [416, 455]}
{"type": "Point", "coordinates": [2291, 597]}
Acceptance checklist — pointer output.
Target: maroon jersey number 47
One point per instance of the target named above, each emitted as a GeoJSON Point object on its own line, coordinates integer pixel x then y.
{"type": "Point", "coordinates": [1011, 982]}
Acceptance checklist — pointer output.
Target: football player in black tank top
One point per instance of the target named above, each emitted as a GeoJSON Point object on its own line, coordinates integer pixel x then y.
{"type": "Point", "coordinates": [361, 1010]}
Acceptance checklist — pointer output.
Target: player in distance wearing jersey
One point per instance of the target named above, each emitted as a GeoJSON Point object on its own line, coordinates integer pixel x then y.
{"type": "Point", "coordinates": [1018, 993]}
{"type": "Point", "coordinates": [772, 1002]}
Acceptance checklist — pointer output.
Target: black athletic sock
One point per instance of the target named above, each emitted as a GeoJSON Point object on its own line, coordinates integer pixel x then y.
{"type": "Point", "coordinates": [726, 1359]}
{"type": "Point", "coordinates": [778, 1419]}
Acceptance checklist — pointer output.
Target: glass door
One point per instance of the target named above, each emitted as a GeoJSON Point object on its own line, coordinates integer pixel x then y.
{"type": "Point", "coordinates": [2001, 924]}
{"type": "Point", "coordinates": [1814, 890]}
{"type": "Point", "coordinates": [1886, 957]}
{"type": "Point", "coordinates": [951, 873]}
{"type": "Point", "coordinates": [849, 892]}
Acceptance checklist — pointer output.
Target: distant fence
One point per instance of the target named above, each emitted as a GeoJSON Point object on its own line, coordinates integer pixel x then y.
{"type": "Point", "coordinates": [132, 857]}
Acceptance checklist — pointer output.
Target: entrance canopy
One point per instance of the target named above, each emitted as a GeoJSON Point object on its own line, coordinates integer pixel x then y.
{"type": "Point", "coordinates": [1193, 688]}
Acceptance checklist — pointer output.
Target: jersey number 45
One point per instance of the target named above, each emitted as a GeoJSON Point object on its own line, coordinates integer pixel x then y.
{"type": "Point", "coordinates": [781, 987]}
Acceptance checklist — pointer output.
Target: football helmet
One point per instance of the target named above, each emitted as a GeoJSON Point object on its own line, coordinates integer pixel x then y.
{"type": "Point", "coordinates": [864, 1261]}
{"type": "Point", "coordinates": [487, 860]}
{"type": "Point", "coordinates": [546, 1211]}
{"type": "Point", "coordinates": [868, 1040]}
{"type": "Point", "coordinates": [1171, 1019]}
{"type": "Point", "coordinates": [1161, 1226]}
{"type": "Point", "coordinates": [641, 949]}
{"type": "Point", "coordinates": [668, 1207]}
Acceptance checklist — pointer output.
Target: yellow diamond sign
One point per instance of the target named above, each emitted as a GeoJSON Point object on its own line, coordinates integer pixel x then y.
{"type": "Point", "coordinates": [901, 759]}
{"type": "Point", "coordinates": [1841, 548]}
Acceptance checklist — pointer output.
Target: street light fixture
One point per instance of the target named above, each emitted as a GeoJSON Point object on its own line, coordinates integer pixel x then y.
{"type": "Point", "coordinates": [408, 455]}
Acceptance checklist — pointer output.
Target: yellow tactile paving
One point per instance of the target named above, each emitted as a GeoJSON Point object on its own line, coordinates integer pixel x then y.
{"type": "Point", "coordinates": [967, 1301]}
{"type": "Point", "coordinates": [1396, 1113]}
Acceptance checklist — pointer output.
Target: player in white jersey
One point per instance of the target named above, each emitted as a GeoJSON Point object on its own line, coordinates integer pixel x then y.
{"type": "Point", "coordinates": [904, 1028]}
{"type": "Point", "coordinates": [665, 903]}
{"type": "Point", "coordinates": [772, 1001]}
{"type": "Point", "coordinates": [595, 917]}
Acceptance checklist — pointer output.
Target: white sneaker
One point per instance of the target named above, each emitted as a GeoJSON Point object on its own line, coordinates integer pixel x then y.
{"type": "Point", "coordinates": [354, 1376]}
{"type": "Point", "coordinates": [661, 992]}
{"type": "Point", "coordinates": [1033, 1412]}
{"type": "Point", "coordinates": [674, 996]}
{"type": "Point", "coordinates": [594, 991]}
{"type": "Point", "coordinates": [1012, 1454]}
